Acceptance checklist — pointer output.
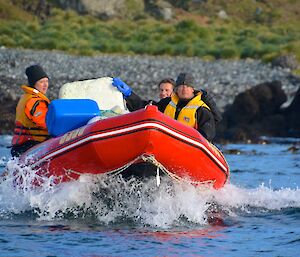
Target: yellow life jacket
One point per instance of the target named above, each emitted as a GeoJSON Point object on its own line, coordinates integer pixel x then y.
{"type": "Point", "coordinates": [25, 128]}
{"type": "Point", "coordinates": [187, 115]}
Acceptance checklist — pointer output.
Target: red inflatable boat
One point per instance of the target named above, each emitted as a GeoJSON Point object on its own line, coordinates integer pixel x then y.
{"type": "Point", "coordinates": [114, 145]}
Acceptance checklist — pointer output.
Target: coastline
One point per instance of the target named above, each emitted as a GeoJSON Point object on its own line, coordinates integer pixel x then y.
{"type": "Point", "coordinates": [222, 78]}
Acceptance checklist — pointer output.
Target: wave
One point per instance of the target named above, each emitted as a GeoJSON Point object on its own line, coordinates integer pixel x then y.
{"type": "Point", "coordinates": [112, 200]}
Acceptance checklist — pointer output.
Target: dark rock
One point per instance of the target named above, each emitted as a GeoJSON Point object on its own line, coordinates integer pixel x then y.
{"type": "Point", "coordinates": [256, 103]}
{"type": "Point", "coordinates": [240, 134]}
{"type": "Point", "coordinates": [270, 97]}
{"type": "Point", "coordinates": [159, 9]}
{"type": "Point", "coordinates": [256, 112]}
{"type": "Point", "coordinates": [40, 8]}
{"type": "Point", "coordinates": [292, 114]}
{"type": "Point", "coordinates": [8, 103]}
{"type": "Point", "coordinates": [245, 108]}
{"type": "Point", "coordinates": [294, 149]}
{"type": "Point", "coordinates": [105, 9]}
{"type": "Point", "coordinates": [274, 124]}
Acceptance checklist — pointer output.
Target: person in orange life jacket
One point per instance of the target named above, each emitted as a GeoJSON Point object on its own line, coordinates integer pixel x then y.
{"type": "Point", "coordinates": [185, 105]}
{"type": "Point", "coordinates": [30, 124]}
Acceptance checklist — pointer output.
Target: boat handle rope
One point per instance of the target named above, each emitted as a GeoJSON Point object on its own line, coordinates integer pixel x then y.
{"type": "Point", "coordinates": [149, 159]}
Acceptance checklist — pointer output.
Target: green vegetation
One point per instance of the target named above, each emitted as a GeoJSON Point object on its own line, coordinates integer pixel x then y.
{"type": "Point", "coordinates": [86, 35]}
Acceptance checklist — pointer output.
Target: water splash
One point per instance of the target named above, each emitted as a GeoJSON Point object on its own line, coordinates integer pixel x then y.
{"type": "Point", "coordinates": [262, 197]}
{"type": "Point", "coordinates": [113, 200]}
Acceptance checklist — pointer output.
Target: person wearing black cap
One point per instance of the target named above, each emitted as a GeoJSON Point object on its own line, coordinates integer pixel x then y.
{"type": "Point", "coordinates": [185, 105]}
{"type": "Point", "coordinates": [30, 124]}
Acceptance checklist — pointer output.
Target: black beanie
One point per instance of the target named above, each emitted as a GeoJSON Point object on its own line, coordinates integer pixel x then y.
{"type": "Point", "coordinates": [35, 73]}
{"type": "Point", "coordinates": [185, 79]}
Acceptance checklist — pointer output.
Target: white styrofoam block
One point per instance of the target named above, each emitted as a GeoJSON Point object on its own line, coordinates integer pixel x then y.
{"type": "Point", "coordinates": [100, 90]}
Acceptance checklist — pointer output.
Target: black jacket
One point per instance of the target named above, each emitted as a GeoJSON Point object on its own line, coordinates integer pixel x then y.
{"type": "Point", "coordinates": [205, 118]}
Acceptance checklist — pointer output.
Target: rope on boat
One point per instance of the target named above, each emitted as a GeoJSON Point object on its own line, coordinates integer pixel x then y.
{"type": "Point", "coordinates": [114, 172]}
{"type": "Point", "coordinates": [150, 159]}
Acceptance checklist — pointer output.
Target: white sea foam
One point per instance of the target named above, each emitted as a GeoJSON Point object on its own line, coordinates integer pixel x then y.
{"type": "Point", "coordinates": [114, 199]}
{"type": "Point", "coordinates": [260, 197]}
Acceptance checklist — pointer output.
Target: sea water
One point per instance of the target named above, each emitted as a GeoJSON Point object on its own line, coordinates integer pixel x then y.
{"type": "Point", "coordinates": [256, 214]}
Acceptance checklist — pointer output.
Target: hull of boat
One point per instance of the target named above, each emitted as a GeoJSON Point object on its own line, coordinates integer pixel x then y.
{"type": "Point", "coordinates": [113, 144]}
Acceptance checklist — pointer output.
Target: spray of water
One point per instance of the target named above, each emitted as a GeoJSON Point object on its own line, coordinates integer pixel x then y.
{"type": "Point", "coordinates": [113, 199]}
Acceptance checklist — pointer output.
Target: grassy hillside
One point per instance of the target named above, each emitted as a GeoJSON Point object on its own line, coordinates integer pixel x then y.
{"type": "Point", "coordinates": [267, 12]}
{"type": "Point", "coordinates": [254, 29]}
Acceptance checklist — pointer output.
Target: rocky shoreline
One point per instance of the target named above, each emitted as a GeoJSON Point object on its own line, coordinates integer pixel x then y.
{"type": "Point", "coordinates": [222, 78]}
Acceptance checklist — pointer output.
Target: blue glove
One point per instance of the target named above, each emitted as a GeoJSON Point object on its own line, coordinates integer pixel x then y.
{"type": "Point", "coordinates": [122, 87]}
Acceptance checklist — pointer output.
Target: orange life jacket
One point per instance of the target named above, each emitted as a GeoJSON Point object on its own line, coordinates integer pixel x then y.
{"type": "Point", "coordinates": [187, 115]}
{"type": "Point", "coordinates": [30, 123]}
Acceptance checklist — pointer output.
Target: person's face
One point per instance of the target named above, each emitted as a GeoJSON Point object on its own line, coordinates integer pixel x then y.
{"type": "Point", "coordinates": [42, 85]}
{"type": "Point", "coordinates": [185, 92]}
{"type": "Point", "coordinates": [165, 90]}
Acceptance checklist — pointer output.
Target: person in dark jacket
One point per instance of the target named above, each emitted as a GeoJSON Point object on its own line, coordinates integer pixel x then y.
{"type": "Point", "coordinates": [166, 87]}
{"type": "Point", "coordinates": [186, 105]}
